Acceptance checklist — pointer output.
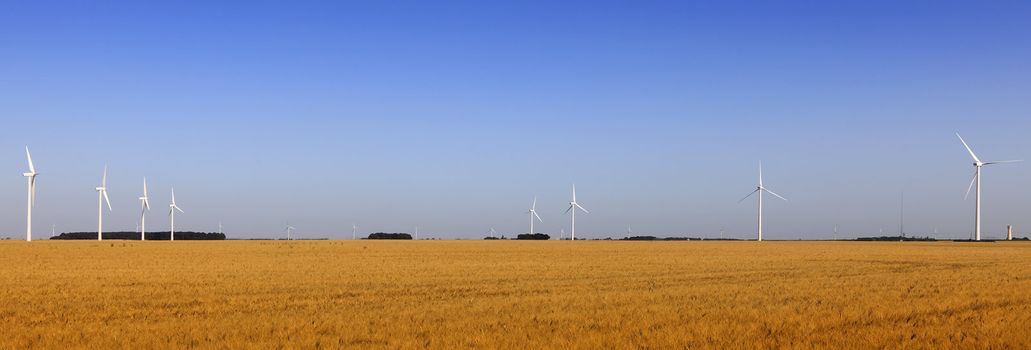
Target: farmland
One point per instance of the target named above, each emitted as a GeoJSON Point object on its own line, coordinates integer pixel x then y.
{"type": "Point", "coordinates": [508, 294]}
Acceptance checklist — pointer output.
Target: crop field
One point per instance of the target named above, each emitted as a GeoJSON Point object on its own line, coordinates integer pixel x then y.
{"type": "Point", "coordinates": [517, 295]}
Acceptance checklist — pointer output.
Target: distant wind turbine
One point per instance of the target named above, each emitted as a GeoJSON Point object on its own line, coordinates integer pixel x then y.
{"type": "Point", "coordinates": [493, 233]}
{"type": "Point", "coordinates": [31, 177]}
{"type": "Point", "coordinates": [354, 231]}
{"type": "Point", "coordinates": [172, 208]}
{"type": "Point", "coordinates": [145, 206]}
{"type": "Point", "coordinates": [289, 230]}
{"type": "Point", "coordinates": [760, 189]}
{"type": "Point", "coordinates": [533, 214]}
{"type": "Point", "coordinates": [977, 178]}
{"type": "Point", "coordinates": [628, 231]}
{"type": "Point", "coordinates": [220, 227]}
{"type": "Point", "coordinates": [101, 198]}
{"type": "Point", "coordinates": [561, 233]}
{"type": "Point", "coordinates": [417, 233]}
{"type": "Point", "coordinates": [573, 206]}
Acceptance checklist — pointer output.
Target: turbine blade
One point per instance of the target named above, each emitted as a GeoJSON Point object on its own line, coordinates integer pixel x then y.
{"type": "Point", "coordinates": [108, 200]}
{"type": "Point", "coordinates": [144, 187]}
{"type": "Point", "coordinates": [537, 216]}
{"type": "Point", "coordinates": [103, 180]}
{"type": "Point", "coordinates": [180, 210]}
{"type": "Point", "coordinates": [749, 195]}
{"type": "Point", "coordinates": [970, 186]}
{"type": "Point", "coordinates": [582, 208]}
{"type": "Point", "coordinates": [173, 196]}
{"type": "Point", "coordinates": [534, 205]}
{"type": "Point", "coordinates": [33, 185]}
{"type": "Point", "coordinates": [760, 173]}
{"type": "Point", "coordinates": [32, 168]}
{"type": "Point", "coordinates": [567, 209]}
{"type": "Point", "coordinates": [777, 195]}
{"type": "Point", "coordinates": [1004, 161]}
{"type": "Point", "coordinates": [968, 148]}
{"type": "Point", "coordinates": [146, 203]}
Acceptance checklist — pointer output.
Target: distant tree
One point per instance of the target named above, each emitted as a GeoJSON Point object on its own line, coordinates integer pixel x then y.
{"type": "Point", "coordinates": [383, 235]}
{"type": "Point", "coordinates": [157, 236]}
{"type": "Point", "coordinates": [642, 238]}
{"type": "Point", "coordinates": [533, 237]}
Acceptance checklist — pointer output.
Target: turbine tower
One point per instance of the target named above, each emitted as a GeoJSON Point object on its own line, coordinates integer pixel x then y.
{"type": "Point", "coordinates": [31, 177]}
{"type": "Point", "coordinates": [977, 178]}
{"type": "Point", "coordinates": [354, 231]}
{"type": "Point", "coordinates": [533, 213]}
{"type": "Point", "coordinates": [172, 208]}
{"type": "Point", "coordinates": [573, 206]}
{"type": "Point", "coordinates": [760, 189]}
{"type": "Point", "coordinates": [144, 207]}
{"type": "Point", "coordinates": [101, 198]}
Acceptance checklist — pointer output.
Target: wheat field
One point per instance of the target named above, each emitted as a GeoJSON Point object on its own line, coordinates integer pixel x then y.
{"type": "Point", "coordinates": [514, 295]}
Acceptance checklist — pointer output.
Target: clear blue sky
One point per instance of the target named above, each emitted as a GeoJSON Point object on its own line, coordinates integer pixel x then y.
{"type": "Point", "coordinates": [451, 116]}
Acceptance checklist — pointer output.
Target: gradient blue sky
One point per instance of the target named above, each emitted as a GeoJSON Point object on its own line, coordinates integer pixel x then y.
{"type": "Point", "coordinates": [453, 115]}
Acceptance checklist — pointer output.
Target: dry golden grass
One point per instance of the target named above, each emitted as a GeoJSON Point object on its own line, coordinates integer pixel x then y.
{"type": "Point", "coordinates": [507, 294]}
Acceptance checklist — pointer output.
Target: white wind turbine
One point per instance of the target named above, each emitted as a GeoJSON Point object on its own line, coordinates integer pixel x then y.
{"type": "Point", "coordinates": [289, 230]}
{"type": "Point", "coordinates": [977, 178]}
{"type": "Point", "coordinates": [573, 206]}
{"type": "Point", "coordinates": [144, 207]}
{"type": "Point", "coordinates": [172, 208]}
{"type": "Point", "coordinates": [493, 233]}
{"type": "Point", "coordinates": [101, 197]}
{"type": "Point", "coordinates": [533, 214]}
{"type": "Point", "coordinates": [760, 189]}
{"type": "Point", "coordinates": [354, 231]}
{"type": "Point", "coordinates": [628, 231]}
{"type": "Point", "coordinates": [31, 177]}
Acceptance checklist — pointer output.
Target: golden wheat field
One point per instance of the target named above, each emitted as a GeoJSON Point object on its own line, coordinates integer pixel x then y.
{"type": "Point", "coordinates": [515, 295]}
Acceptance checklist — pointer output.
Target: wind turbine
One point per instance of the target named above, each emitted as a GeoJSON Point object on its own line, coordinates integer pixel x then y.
{"type": "Point", "coordinates": [220, 227]}
{"type": "Point", "coordinates": [561, 233]}
{"type": "Point", "coordinates": [629, 231]}
{"type": "Point", "coordinates": [977, 178]}
{"type": "Point", "coordinates": [573, 206]}
{"type": "Point", "coordinates": [417, 233]}
{"type": "Point", "coordinates": [145, 206]}
{"type": "Point", "coordinates": [760, 189]}
{"type": "Point", "coordinates": [533, 213]}
{"type": "Point", "coordinates": [289, 229]}
{"type": "Point", "coordinates": [172, 208]}
{"type": "Point", "coordinates": [493, 233]}
{"type": "Point", "coordinates": [31, 177]}
{"type": "Point", "coordinates": [101, 197]}
{"type": "Point", "coordinates": [354, 231]}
